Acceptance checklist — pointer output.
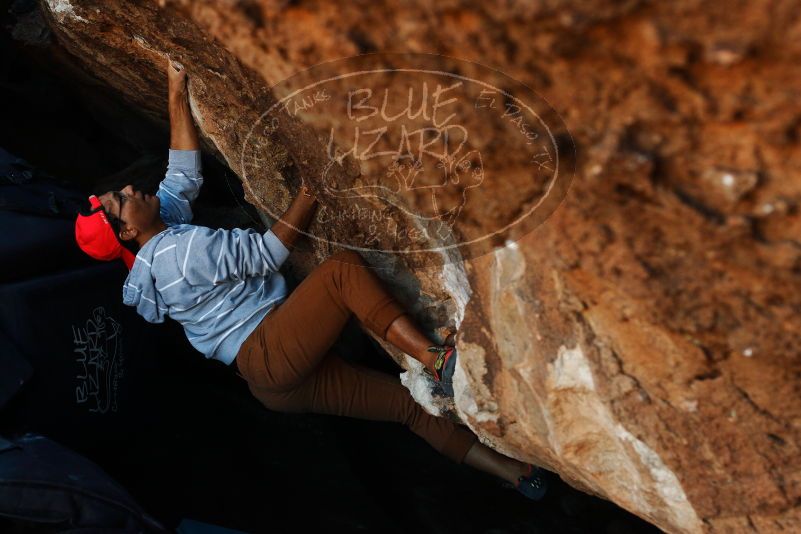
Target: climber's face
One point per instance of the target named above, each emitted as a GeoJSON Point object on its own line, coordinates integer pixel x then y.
{"type": "Point", "coordinates": [131, 212]}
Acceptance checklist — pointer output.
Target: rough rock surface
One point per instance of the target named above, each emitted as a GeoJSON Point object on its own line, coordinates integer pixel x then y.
{"type": "Point", "coordinates": [643, 342]}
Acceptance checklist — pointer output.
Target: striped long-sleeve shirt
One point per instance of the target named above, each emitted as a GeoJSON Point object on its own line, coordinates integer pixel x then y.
{"type": "Point", "coordinates": [219, 284]}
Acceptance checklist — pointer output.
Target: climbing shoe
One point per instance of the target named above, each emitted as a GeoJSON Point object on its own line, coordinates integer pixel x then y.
{"type": "Point", "coordinates": [444, 367]}
{"type": "Point", "coordinates": [533, 484]}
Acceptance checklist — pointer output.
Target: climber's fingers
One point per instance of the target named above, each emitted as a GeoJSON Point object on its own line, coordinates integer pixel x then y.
{"type": "Point", "coordinates": [176, 75]}
{"type": "Point", "coordinates": [174, 66]}
{"type": "Point", "coordinates": [306, 190]}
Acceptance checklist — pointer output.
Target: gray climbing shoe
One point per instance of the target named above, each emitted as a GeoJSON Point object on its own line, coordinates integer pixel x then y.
{"type": "Point", "coordinates": [534, 484]}
{"type": "Point", "coordinates": [444, 367]}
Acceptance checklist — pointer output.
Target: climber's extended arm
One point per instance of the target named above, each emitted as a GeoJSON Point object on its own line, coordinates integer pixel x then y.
{"type": "Point", "coordinates": [182, 130]}
{"type": "Point", "coordinates": [296, 218]}
{"type": "Point", "coordinates": [183, 180]}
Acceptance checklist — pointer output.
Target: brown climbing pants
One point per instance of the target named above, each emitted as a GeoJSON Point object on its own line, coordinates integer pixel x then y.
{"type": "Point", "coordinates": [289, 367]}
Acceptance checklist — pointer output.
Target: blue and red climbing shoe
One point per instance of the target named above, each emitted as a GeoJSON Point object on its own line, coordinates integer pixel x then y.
{"type": "Point", "coordinates": [444, 367]}
{"type": "Point", "coordinates": [533, 484]}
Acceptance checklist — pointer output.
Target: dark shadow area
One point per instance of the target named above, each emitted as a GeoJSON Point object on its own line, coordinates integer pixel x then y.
{"type": "Point", "coordinates": [183, 434]}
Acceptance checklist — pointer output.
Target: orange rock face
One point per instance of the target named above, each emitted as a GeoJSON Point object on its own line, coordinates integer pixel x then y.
{"type": "Point", "coordinates": [643, 342]}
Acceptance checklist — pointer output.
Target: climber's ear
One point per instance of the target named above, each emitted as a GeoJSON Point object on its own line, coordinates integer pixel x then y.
{"type": "Point", "coordinates": [128, 232]}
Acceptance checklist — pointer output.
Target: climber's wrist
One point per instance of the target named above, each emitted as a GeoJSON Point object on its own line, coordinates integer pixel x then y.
{"type": "Point", "coordinates": [177, 98]}
{"type": "Point", "coordinates": [307, 195]}
{"type": "Point", "coordinates": [183, 135]}
{"type": "Point", "coordinates": [176, 81]}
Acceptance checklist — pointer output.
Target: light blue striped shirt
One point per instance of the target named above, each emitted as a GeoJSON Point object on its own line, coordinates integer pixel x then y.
{"type": "Point", "coordinates": [219, 284]}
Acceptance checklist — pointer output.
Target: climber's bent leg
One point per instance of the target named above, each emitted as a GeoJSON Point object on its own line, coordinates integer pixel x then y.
{"type": "Point", "coordinates": [339, 387]}
{"type": "Point", "coordinates": [292, 339]}
{"type": "Point", "coordinates": [356, 286]}
{"type": "Point", "coordinates": [485, 459]}
{"type": "Point", "coordinates": [404, 334]}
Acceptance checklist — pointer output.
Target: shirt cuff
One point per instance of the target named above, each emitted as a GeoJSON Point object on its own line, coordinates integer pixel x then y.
{"type": "Point", "coordinates": [184, 159]}
{"type": "Point", "coordinates": [275, 247]}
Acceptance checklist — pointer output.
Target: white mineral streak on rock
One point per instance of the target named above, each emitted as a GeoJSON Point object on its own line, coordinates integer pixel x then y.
{"type": "Point", "coordinates": [509, 315]}
{"type": "Point", "coordinates": [62, 9]}
{"type": "Point", "coordinates": [140, 41]}
{"type": "Point", "coordinates": [665, 480]}
{"type": "Point", "coordinates": [419, 385]}
{"type": "Point", "coordinates": [678, 508]}
{"type": "Point", "coordinates": [455, 282]}
{"type": "Point", "coordinates": [473, 399]}
{"type": "Point", "coordinates": [731, 184]}
{"type": "Point", "coordinates": [606, 456]}
{"type": "Point", "coordinates": [513, 336]}
{"type": "Point", "coordinates": [570, 370]}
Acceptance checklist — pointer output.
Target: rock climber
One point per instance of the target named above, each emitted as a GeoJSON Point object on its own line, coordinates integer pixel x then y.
{"type": "Point", "coordinates": [225, 288]}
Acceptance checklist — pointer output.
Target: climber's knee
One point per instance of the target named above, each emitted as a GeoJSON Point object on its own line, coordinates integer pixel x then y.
{"type": "Point", "coordinates": [285, 402]}
{"type": "Point", "coordinates": [449, 439]}
{"type": "Point", "coordinates": [413, 415]}
{"type": "Point", "coordinates": [285, 406]}
{"type": "Point", "coordinates": [348, 257]}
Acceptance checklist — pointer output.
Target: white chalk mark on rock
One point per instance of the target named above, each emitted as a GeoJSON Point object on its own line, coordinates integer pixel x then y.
{"type": "Point", "coordinates": [464, 397]}
{"type": "Point", "coordinates": [666, 482]}
{"type": "Point", "coordinates": [421, 386]}
{"type": "Point", "coordinates": [727, 180]}
{"type": "Point", "coordinates": [62, 9]}
{"type": "Point", "coordinates": [571, 371]}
